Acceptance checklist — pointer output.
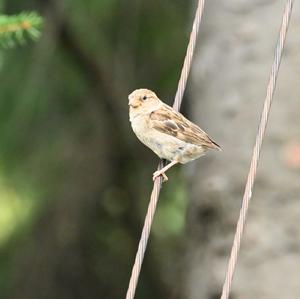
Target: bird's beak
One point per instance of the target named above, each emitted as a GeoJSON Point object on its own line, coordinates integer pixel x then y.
{"type": "Point", "coordinates": [130, 101]}
{"type": "Point", "coordinates": [133, 102]}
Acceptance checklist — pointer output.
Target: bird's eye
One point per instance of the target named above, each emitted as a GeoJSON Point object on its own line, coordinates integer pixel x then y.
{"type": "Point", "coordinates": [144, 98]}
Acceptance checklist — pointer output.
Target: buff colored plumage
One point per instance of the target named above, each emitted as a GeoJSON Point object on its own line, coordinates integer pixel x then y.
{"type": "Point", "coordinates": [166, 132]}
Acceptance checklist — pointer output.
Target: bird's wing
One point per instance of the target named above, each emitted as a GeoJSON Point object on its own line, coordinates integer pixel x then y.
{"type": "Point", "coordinates": [168, 121]}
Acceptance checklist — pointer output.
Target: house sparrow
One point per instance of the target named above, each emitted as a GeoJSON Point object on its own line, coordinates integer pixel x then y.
{"type": "Point", "coordinates": [166, 132]}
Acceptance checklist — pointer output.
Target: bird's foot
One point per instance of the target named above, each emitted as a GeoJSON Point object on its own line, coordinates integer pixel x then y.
{"type": "Point", "coordinates": [157, 173]}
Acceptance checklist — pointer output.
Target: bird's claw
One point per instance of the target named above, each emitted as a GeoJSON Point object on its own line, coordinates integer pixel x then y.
{"type": "Point", "coordinates": [158, 173]}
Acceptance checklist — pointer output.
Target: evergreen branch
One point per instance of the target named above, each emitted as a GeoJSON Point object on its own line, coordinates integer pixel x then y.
{"type": "Point", "coordinates": [16, 29]}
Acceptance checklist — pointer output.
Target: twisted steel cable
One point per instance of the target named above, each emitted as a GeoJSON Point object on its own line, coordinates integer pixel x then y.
{"type": "Point", "coordinates": [256, 151]}
{"type": "Point", "coordinates": [188, 57]}
{"type": "Point", "coordinates": [158, 182]}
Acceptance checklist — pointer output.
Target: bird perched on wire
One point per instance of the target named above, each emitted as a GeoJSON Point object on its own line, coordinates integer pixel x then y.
{"type": "Point", "coordinates": [165, 131]}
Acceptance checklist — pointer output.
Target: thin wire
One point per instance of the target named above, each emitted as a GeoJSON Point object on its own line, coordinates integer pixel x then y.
{"type": "Point", "coordinates": [256, 151]}
{"type": "Point", "coordinates": [188, 57]}
{"type": "Point", "coordinates": [158, 182]}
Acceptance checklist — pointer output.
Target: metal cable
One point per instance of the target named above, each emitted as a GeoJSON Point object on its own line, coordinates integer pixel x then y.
{"type": "Point", "coordinates": [158, 182]}
{"type": "Point", "coordinates": [256, 151]}
{"type": "Point", "coordinates": [188, 57]}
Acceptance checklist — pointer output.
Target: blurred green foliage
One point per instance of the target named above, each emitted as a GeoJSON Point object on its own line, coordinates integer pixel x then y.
{"type": "Point", "coordinates": [75, 182]}
{"type": "Point", "coordinates": [15, 29]}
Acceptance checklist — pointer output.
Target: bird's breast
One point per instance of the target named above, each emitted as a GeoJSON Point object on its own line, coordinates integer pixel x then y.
{"type": "Point", "coordinates": [164, 145]}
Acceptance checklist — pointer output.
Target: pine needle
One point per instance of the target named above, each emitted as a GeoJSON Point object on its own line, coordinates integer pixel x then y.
{"type": "Point", "coordinates": [17, 29]}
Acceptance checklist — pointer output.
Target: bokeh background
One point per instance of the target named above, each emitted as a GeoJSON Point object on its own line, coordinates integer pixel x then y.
{"type": "Point", "coordinates": [75, 182]}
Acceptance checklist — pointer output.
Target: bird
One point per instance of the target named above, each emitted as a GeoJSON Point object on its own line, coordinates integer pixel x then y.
{"type": "Point", "coordinates": [169, 134]}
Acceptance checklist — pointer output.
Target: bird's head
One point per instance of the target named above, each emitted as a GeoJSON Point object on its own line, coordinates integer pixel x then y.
{"type": "Point", "coordinates": [142, 100]}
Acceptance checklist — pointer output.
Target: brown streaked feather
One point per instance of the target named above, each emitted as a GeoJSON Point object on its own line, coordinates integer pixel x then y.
{"type": "Point", "coordinates": [168, 121]}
